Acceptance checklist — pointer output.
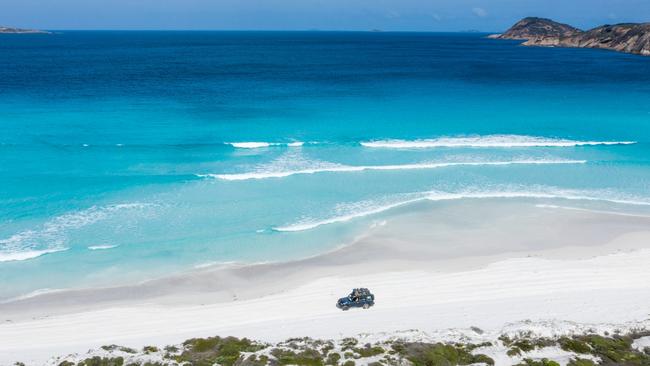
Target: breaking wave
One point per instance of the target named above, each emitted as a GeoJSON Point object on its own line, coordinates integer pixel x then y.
{"type": "Point", "coordinates": [51, 237]}
{"type": "Point", "coordinates": [321, 168]}
{"type": "Point", "coordinates": [501, 141]}
{"type": "Point", "coordinates": [102, 247]}
{"type": "Point", "coordinates": [9, 256]}
{"type": "Point", "coordinates": [350, 211]}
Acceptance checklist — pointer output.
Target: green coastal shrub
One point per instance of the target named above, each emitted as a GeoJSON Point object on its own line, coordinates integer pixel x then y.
{"type": "Point", "coordinates": [102, 361]}
{"type": "Point", "coordinates": [616, 350]}
{"type": "Point", "coordinates": [542, 362]}
{"type": "Point", "coordinates": [327, 347]}
{"type": "Point", "coordinates": [115, 347]}
{"type": "Point", "coordinates": [471, 346]}
{"type": "Point", "coordinates": [307, 357]}
{"type": "Point", "coordinates": [333, 359]}
{"type": "Point", "coordinates": [208, 351]}
{"type": "Point", "coordinates": [150, 349]}
{"type": "Point", "coordinates": [513, 352]}
{"type": "Point", "coordinates": [438, 354]}
{"type": "Point", "coordinates": [574, 345]}
{"type": "Point", "coordinates": [348, 343]}
{"type": "Point", "coordinates": [369, 351]}
{"type": "Point", "coordinates": [581, 362]}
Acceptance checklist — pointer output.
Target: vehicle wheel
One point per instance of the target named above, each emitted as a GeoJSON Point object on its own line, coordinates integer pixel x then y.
{"type": "Point", "coordinates": [345, 308]}
{"type": "Point", "coordinates": [366, 306]}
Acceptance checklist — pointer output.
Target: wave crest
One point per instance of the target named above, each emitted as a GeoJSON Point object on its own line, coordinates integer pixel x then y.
{"type": "Point", "coordinates": [51, 237]}
{"type": "Point", "coordinates": [348, 168]}
{"type": "Point", "coordinates": [500, 141]}
{"type": "Point", "coordinates": [102, 247]}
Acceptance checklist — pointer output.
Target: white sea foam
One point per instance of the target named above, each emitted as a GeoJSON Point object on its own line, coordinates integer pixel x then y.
{"type": "Point", "coordinates": [10, 256]}
{"type": "Point", "coordinates": [102, 247]}
{"type": "Point", "coordinates": [322, 168]}
{"type": "Point", "coordinates": [355, 210]}
{"type": "Point", "coordinates": [258, 145]}
{"type": "Point", "coordinates": [500, 141]}
{"type": "Point", "coordinates": [349, 212]}
{"type": "Point", "coordinates": [51, 237]}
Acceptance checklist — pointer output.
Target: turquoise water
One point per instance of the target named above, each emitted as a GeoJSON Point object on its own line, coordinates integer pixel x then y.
{"type": "Point", "coordinates": [121, 156]}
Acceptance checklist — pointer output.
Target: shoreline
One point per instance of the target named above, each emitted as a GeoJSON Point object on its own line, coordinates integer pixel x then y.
{"type": "Point", "coordinates": [527, 262]}
{"type": "Point", "coordinates": [398, 243]}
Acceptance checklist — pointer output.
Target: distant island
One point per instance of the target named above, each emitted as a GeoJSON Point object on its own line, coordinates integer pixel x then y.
{"type": "Point", "coordinates": [626, 37]}
{"type": "Point", "coordinates": [10, 30]}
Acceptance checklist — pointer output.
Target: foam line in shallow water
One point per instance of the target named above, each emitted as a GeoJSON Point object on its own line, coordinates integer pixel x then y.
{"type": "Point", "coordinates": [367, 208]}
{"type": "Point", "coordinates": [51, 237]}
{"type": "Point", "coordinates": [500, 141]}
{"type": "Point", "coordinates": [347, 168]}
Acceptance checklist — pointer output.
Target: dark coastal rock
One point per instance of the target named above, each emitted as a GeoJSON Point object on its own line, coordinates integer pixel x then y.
{"type": "Point", "coordinates": [10, 30]}
{"type": "Point", "coordinates": [534, 28]}
{"type": "Point", "coordinates": [628, 37]}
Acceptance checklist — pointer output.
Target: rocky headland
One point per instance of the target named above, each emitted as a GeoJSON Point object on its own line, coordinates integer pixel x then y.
{"type": "Point", "coordinates": [626, 37]}
{"type": "Point", "coordinates": [10, 30]}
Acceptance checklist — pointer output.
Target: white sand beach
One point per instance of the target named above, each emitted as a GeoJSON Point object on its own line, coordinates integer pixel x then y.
{"type": "Point", "coordinates": [436, 268]}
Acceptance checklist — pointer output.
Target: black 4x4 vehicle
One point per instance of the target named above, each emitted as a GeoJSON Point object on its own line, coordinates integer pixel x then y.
{"type": "Point", "coordinates": [359, 298]}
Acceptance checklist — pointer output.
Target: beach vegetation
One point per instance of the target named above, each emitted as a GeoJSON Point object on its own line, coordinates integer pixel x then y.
{"type": "Point", "coordinates": [574, 345]}
{"type": "Point", "coordinates": [616, 350]}
{"type": "Point", "coordinates": [102, 361]}
{"type": "Point", "coordinates": [472, 346]}
{"type": "Point", "coordinates": [348, 343]}
{"type": "Point", "coordinates": [327, 347]}
{"type": "Point", "coordinates": [333, 358]}
{"type": "Point", "coordinates": [439, 354]}
{"type": "Point", "coordinates": [581, 362]}
{"type": "Point", "coordinates": [505, 340]}
{"type": "Point", "coordinates": [150, 349]}
{"type": "Point", "coordinates": [369, 351]}
{"type": "Point", "coordinates": [513, 352]}
{"type": "Point", "coordinates": [172, 349]}
{"type": "Point", "coordinates": [307, 357]}
{"type": "Point", "coordinates": [542, 362]}
{"type": "Point", "coordinates": [208, 351]}
{"type": "Point", "coordinates": [115, 347]}
{"type": "Point", "coordinates": [586, 350]}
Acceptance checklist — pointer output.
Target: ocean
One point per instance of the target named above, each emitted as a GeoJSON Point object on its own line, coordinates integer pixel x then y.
{"type": "Point", "coordinates": [126, 156]}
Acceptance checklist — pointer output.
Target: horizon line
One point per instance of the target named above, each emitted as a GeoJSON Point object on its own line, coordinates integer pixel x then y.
{"type": "Point", "coordinates": [255, 30]}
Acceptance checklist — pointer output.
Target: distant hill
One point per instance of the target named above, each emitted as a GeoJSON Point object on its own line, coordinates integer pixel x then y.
{"type": "Point", "coordinates": [10, 30]}
{"type": "Point", "coordinates": [627, 37]}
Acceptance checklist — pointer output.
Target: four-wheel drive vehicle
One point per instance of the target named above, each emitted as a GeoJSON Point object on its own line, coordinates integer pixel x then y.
{"type": "Point", "coordinates": [359, 298]}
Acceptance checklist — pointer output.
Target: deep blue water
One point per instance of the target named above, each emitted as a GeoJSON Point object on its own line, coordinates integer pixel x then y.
{"type": "Point", "coordinates": [109, 139]}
